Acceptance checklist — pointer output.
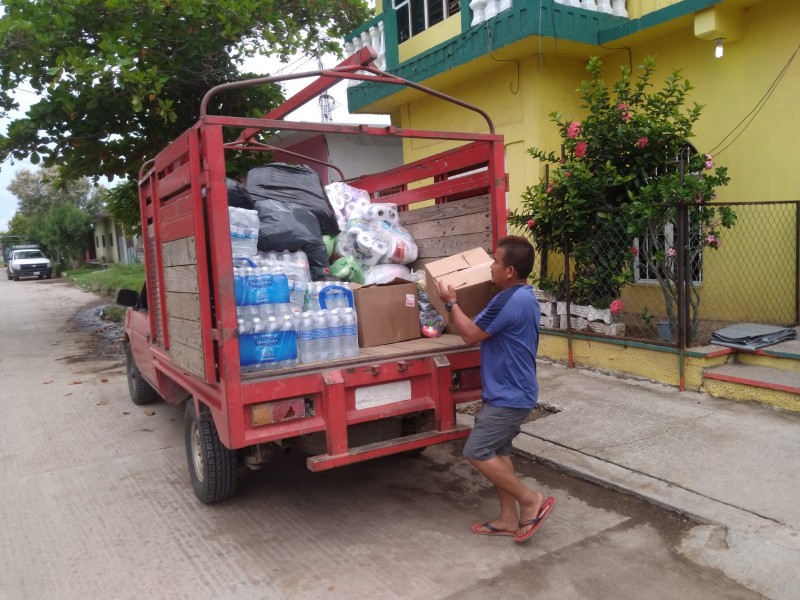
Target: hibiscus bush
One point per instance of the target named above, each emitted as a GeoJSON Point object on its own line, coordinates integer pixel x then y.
{"type": "Point", "coordinates": [624, 172]}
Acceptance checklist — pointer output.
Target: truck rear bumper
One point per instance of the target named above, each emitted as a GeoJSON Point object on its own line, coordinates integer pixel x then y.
{"type": "Point", "coordinates": [324, 462]}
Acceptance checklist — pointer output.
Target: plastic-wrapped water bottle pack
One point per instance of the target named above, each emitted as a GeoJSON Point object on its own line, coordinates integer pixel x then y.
{"type": "Point", "coordinates": [244, 231]}
{"type": "Point", "coordinates": [267, 334]}
{"type": "Point", "coordinates": [271, 291]}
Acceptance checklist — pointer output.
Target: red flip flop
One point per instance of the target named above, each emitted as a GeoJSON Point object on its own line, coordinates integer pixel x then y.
{"type": "Point", "coordinates": [544, 512]}
{"type": "Point", "coordinates": [491, 530]}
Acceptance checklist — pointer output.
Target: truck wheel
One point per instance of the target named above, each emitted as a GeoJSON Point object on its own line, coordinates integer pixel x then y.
{"type": "Point", "coordinates": [141, 391]}
{"type": "Point", "coordinates": [16, 277]}
{"type": "Point", "coordinates": [212, 466]}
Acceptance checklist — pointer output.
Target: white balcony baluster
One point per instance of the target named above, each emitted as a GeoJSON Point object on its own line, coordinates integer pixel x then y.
{"type": "Point", "coordinates": [381, 47]}
{"type": "Point", "coordinates": [619, 9]}
{"type": "Point", "coordinates": [491, 9]}
{"type": "Point", "coordinates": [478, 7]}
{"type": "Point", "coordinates": [505, 5]}
{"type": "Point", "coordinates": [604, 6]}
{"type": "Point", "coordinates": [588, 5]}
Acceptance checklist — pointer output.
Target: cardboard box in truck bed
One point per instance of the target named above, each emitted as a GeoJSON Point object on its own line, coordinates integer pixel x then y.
{"type": "Point", "coordinates": [387, 313]}
{"type": "Point", "coordinates": [470, 274]}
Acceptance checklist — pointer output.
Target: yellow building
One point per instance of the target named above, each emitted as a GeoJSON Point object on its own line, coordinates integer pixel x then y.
{"type": "Point", "coordinates": [521, 60]}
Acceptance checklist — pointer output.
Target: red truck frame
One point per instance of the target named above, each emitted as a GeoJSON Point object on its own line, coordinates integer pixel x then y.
{"type": "Point", "coordinates": [180, 333]}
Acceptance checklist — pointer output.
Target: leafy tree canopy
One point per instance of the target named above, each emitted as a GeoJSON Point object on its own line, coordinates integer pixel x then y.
{"type": "Point", "coordinates": [19, 225]}
{"type": "Point", "coordinates": [38, 192]}
{"type": "Point", "coordinates": [63, 230]}
{"type": "Point", "coordinates": [118, 79]}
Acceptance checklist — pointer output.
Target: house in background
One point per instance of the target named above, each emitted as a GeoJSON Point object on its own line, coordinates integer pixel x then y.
{"type": "Point", "coordinates": [521, 60]}
{"type": "Point", "coordinates": [109, 245]}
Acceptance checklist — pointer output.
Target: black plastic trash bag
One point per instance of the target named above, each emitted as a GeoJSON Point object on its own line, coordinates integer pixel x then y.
{"type": "Point", "coordinates": [238, 196]}
{"type": "Point", "coordinates": [286, 226]}
{"type": "Point", "coordinates": [297, 184]}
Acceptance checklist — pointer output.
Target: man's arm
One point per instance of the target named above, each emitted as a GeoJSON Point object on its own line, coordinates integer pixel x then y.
{"type": "Point", "coordinates": [467, 330]}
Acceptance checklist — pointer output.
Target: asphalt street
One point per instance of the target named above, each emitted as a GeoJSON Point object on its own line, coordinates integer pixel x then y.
{"type": "Point", "coordinates": [95, 502]}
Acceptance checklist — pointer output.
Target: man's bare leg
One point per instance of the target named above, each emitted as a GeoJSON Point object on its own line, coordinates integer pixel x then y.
{"type": "Point", "coordinates": [499, 470]}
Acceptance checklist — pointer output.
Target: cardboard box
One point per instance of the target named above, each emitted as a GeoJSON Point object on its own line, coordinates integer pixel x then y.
{"type": "Point", "coordinates": [387, 313]}
{"type": "Point", "coordinates": [469, 273]}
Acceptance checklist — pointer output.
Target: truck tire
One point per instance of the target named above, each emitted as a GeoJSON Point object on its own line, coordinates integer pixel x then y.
{"type": "Point", "coordinates": [141, 391]}
{"type": "Point", "coordinates": [212, 466]}
{"type": "Point", "coordinates": [16, 277]}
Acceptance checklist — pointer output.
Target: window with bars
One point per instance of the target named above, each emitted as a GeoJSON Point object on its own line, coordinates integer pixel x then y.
{"type": "Point", "coordinates": [667, 239]}
{"type": "Point", "coordinates": [415, 16]}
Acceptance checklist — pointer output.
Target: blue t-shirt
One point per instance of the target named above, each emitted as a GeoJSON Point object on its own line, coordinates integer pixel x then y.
{"type": "Point", "coordinates": [508, 355]}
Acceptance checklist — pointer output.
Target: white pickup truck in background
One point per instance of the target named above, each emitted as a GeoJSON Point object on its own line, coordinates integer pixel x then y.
{"type": "Point", "coordinates": [29, 263]}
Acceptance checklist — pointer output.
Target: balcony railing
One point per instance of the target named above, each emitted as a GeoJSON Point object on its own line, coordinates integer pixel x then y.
{"type": "Point", "coordinates": [611, 7]}
{"type": "Point", "coordinates": [372, 33]}
{"type": "Point", "coordinates": [380, 32]}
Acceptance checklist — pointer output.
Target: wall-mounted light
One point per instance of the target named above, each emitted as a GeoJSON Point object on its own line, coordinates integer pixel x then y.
{"type": "Point", "coordinates": [720, 49]}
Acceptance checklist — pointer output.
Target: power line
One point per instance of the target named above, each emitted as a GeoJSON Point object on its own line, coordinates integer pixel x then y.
{"type": "Point", "coordinates": [756, 109]}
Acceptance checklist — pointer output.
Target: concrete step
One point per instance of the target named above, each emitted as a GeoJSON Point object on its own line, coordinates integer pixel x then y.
{"type": "Point", "coordinates": [785, 356]}
{"type": "Point", "coordinates": [768, 385]}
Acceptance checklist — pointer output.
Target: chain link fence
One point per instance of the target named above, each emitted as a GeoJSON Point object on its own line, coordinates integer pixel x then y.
{"type": "Point", "coordinates": [679, 282]}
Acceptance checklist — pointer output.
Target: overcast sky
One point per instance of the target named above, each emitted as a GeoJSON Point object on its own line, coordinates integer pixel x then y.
{"type": "Point", "coordinates": [309, 112]}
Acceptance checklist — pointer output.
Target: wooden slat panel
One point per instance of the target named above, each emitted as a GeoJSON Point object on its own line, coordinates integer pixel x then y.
{"type": "Point", "coordinates": [175, 182]}
{"type": "Point", "coordinates": [184, 331]}
{"type": "Point", "coordinates": [177, 208]}
{"type": "Point", "coordinates": [456, 160]}
{"type": "Point", "coordinates": [181, 279]}
{"type": "Point", "coordinates": [189, 359]}
{"type": "Point", "coordinates": [476, 205]}
{"type": "Point", "coordinates": [447, 246]}
{"type": "Point", "coordinates": [177, 149]}
{"type": "Point", "coordinates": [175, 230]}
{"type": "Point", "coordinates": [457, 226]}
{"type": "Point", "coordinates": [179, 252]}
{"type": "Point", "coordinates": [183, 305]}
{"type": "Point", "coordinates": [469, 185]}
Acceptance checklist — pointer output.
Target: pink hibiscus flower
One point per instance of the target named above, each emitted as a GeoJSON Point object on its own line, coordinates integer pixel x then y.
{"type": "Point", "coordinates": [574, 130]}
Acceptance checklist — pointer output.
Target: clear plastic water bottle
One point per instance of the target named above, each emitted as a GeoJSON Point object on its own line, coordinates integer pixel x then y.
{"type": "Point", "coordinates": [321, 335]}
{"type": "Point", "coordinates": [279, 286]}
{"type": "Point", "coordinates": [287, 343]}
{"type": "Point", "coordinates": [268, 345]}
{"type": "Point", "coordinates": [248, 353]}
{"type": "Point", "coordinates": [349, 333]}
{"type": "Point", "coordinates": [335, 338]}
{"type": "Point", "coordinates": [312, 297]}
{"type": "Point", "coordinates": [256, 326]}
{"type": "Point", "coordinates": [305, 339]}
{"type": "Point", "coordinates": [298, 289]}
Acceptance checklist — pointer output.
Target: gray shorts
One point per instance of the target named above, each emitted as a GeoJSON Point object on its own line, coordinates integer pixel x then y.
{"type": "Point", "coordinates": [494, 429]}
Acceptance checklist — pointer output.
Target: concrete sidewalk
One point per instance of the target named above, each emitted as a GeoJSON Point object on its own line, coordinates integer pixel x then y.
{"type": "Point", "coordinates": [731, 467]}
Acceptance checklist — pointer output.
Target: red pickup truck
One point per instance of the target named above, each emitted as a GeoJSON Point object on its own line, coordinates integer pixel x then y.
{"type": "Point", "coordinates": [180, 332]}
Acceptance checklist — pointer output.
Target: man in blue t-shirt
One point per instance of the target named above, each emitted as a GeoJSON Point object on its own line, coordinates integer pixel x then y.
{"type": "Point", "coordinates": [508, 332]}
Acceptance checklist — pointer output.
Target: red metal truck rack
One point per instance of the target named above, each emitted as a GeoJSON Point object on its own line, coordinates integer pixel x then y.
{"type": "Point", "coordinates": [181, 336]}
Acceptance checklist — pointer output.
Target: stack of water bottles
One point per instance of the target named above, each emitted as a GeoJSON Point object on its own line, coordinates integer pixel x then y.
{"type": "Point", "coordinates": [328, 329]}
{"type": "Point", "coordinates": [267, 334]}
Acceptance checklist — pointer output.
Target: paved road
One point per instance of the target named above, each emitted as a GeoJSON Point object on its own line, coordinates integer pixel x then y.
{"type": "Point", "coordinates": [95, 502]}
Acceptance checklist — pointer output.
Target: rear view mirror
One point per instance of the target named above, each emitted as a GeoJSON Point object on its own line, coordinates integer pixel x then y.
{"type": "Point", "coordinates": [128, 298]}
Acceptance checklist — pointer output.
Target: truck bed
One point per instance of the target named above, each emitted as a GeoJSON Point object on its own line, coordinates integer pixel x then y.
{"type": "Point", "coordinates": [408, 350]}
